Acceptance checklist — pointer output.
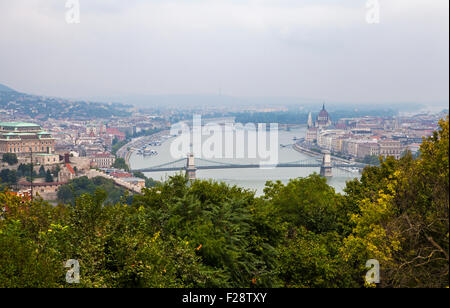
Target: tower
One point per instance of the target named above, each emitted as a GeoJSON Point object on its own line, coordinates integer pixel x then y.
{"type": "Point", "coordinates": [326, 170]}
{"type": "Point", "coordinates": [310, 121]}
{"type": "Point", "coordinates": [190, 167]}
{"type": "Point", "coordinates": [323, 119]}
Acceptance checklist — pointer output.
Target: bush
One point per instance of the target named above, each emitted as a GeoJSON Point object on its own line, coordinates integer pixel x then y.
{"type": "Point", "coordinates": [10, 158]}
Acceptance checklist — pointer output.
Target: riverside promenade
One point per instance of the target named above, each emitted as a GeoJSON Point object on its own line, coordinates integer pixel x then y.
{"type": "Point", "coordinates": [308, 152]}
{"type": "Point", "coordinates": [128, 149]}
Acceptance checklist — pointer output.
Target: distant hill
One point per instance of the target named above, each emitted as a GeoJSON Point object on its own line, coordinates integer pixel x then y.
{"type": "Point", "coordinates": [4, 88]}
{"type": "Point", "coordinates": [26, 106]}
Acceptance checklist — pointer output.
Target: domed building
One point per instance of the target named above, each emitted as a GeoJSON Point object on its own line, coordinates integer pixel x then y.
{"type": "Point", "coordinates": [24, 138]}
{"type": "Point", "coordinates": [323, 119]}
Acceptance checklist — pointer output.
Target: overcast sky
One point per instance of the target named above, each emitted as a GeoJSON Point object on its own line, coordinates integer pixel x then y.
{"type": "Point", "coordinates": [320, 49]}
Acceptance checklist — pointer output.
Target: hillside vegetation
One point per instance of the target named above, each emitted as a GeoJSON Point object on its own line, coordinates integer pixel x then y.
{"type": "Point", "coordinates": [43, 108]}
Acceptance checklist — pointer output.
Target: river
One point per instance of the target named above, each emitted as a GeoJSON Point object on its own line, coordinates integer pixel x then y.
{"type": "Point", "coordinates": [254, 179]}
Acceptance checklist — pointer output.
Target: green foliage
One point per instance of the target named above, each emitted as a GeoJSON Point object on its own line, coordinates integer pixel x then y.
{"type": "Point", "coordinates": [24, 170]}
{"type": "Point", "coordinates": [69, 192]}
{"type": "Point", "coordinates": [110, 244]}
{"type": "Point", "coordinates": [57, 169]}
{"type": "Point", "coordinates": [370, 160]}
{"type": "Point", "coordinates": [58, 108]}
{"type": "Point", "coordinates": [308, 202]}
{"type": "Point", "coordinates": [22, 264]}
{"type": "Point", "coordinates": [216, 221]}
{"type": "Point", "coordinates": [120, 163]}
{"type": "Point", "coordinates": [118, 144]}
{"type": "Point", "coordinates": [8, 177]}
{"type": "Point", "coordinates": [48, 176]}
{"type": "Point", "coordinates": [42, 172]}
{"type": "Point", "coordinates": [311, 260]}
{"type": "Point", "coordinates": [402, 217]}
{"type": "Point", "coordinates": [10, 158]}
{"type": "Point", "coordinates": [315, 222]}
{"type": "Point", "coordinates": [149, 182]}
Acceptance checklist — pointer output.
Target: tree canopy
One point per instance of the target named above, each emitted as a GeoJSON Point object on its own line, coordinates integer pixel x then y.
{"type": "Point", "coordinates": [10, 158]}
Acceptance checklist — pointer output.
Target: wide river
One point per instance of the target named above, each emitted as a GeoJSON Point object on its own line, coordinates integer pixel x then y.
{"type": "Point", "coordinates": [254, 179]}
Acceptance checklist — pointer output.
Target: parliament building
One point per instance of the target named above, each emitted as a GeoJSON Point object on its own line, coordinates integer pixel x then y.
{"type": "Point", "coordinates": [24, 138]}
{"type": "Point", "coordinates": [323, 121]}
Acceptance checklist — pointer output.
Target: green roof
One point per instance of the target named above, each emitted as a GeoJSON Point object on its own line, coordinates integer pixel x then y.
{"type": "Point", "coordinates": [18, 124]}
{"type": "Point", "coordinates": [20, 134]}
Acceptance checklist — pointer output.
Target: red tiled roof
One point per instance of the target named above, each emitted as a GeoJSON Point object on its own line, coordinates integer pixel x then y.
{"type": "Point", "coordinates": [115, 131]}
{"type": "Point", "coordinates": [42, 184]}
{"type": "Point", "coordinates": [102, 155]}
{"type": "Point", "coordinates": [121, 174]}
{"type": "Point", "coordinates": [69, 167]}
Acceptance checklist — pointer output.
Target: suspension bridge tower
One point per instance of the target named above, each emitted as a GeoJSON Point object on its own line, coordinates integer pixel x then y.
{"type": "Point", "coordinates": [326, 169]}
{"type": "Point", "coordinates": [190, 167]}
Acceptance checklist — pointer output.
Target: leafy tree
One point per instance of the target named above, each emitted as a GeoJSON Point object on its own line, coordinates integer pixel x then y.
{"type": "Point", "coordinates": [310, 260]}
{"type": "Point", "coordinates": [370, 160]}
{"type": "Point", "coordinates": [48, 177]}
{"type": "Point", "coordinates": [21, 263]}
{"type": "Point", "coordinates": [308, 202]}
{"type": "Point", "coordinates": [119, 144]}
{"type": "Point", "coordinates": [56, 170]}
{"type": "Point", "coordinates": [9, 177]}
{"type": "Point", "coordinates": [214, 219]}
{"type": "Point", "coordinates": [403, 217]}
{"type": "Point", "coordinates": [120, 163]}
{"type": "Point", "coordinates": [315, 224]}
{"type": "Point", "coordinates": [109, 242]}
{"type": "Point", "coordinates": [65, 194]}
{"type": "Point", "coordinates": [24, 170]}
{"type": "Point", "coordinates": [10, 158]}
{"type": "Point", "coordinates": [42, 172]}
{"type": "Point", "coordinates": [149, 182]}
{"type": "Point", "coordinates": [69, 192]}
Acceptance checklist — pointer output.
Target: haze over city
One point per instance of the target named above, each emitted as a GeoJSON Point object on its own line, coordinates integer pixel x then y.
{"type": "Point", "coordinates": [325, 50]}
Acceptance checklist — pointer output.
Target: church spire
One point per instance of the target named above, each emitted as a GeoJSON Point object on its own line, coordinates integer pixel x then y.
{"type": "Point", "coordinates": [310, 121]}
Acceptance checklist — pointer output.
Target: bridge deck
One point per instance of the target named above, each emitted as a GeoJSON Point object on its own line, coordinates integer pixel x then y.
{"type": "Point", "coordinates": [249, 166]}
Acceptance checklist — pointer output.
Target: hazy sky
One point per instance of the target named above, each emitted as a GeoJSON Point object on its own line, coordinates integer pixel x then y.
{"type": "Point", "coordinates": [320, 49]}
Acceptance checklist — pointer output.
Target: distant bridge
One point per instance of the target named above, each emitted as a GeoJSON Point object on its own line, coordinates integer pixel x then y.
{"type": "Point", "coordinates": [325, 164]}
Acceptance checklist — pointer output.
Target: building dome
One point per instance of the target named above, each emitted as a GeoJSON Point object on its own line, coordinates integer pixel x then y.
{"type": "Point", "coordinates": [323, 119]}
{"type": "Point", "coordinates": [323, 113]}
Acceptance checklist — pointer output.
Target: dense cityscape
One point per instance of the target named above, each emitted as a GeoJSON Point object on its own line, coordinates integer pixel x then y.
{"type": "Point", "coordinates": [70, 148]}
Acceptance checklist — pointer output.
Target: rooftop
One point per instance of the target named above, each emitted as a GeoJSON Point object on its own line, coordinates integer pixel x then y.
{"type": "Point", "coordinates": [18, 124]}
{"type": "Point", "coordinates": [133, 179]}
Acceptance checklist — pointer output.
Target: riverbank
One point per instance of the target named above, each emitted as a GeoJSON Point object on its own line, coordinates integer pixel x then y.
{"type": "Point", "coordinates": [127, 150]}
{"type": "Point", "coordinates": [305, 151]}
{"type": "Point", "coordinates": [308, 152]}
